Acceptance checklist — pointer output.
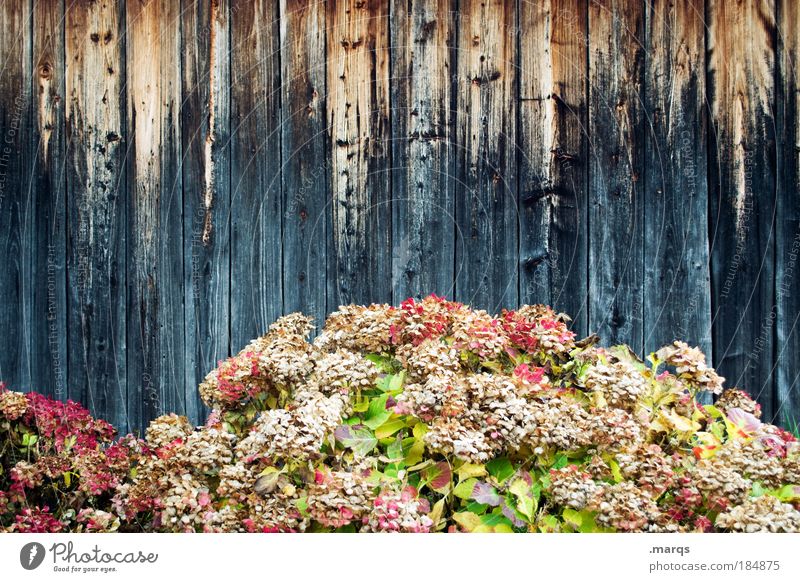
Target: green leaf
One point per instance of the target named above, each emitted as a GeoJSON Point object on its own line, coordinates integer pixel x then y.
{"type": "Point", "coordinates": [397, 381]}
{"type": "Point", "coordinates": [67, 478]}
{"type": "Point", "coordinates": [356, 437]}
{"type": "Point", "coordinates": [414, 452]}
{"type": "Point", "coordinates": [526, 504]}
{"type": "Point", "coordinates": [302, 505]}
{"type": "Point", "coordinates": [500, 468]}
{"type": "Point", "coordinates": [615, 471]}
{"type": "Point", "coordinates": [468, 521]}
{"type": "Point", "coordinates": [395, 451]}
{"type": "Point", "coordinates": [389, 428]}
{"type": "Point", "coordinates": [377, 412]}
{"type": "Point", "coordinates": [384, 363]}
{"type": "Point", "coordinates": [468, 470]}
{"type": "Point", "coordinates": [420, 429]}
{"type": "Point", "coordinates": [464, 489]}
{"type": "Point", "coordinates": [560, 462]}
{"type": "Point", "coordinates": [573, 518]}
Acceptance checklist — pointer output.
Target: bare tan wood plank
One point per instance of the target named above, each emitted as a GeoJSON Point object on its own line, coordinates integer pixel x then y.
{"type": "Point", "coordinates": [554, 156]}
{"type": "Point", "coordinates": [742, 178]}
{"type": "Point", "coordinates": [486, 185]}
{"type": "Point", "coordinates": [358, 113]}
{"type": "Point", "coordinates": [616, 243]}
{"type": "Point", "coordinates": [96, 144]}
{"type": "Point", "coordinates": [155, 208]}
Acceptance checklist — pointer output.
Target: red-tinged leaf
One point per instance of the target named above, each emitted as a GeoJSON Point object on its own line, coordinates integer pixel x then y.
{"type": "Point", "coordinates": [439, 476]}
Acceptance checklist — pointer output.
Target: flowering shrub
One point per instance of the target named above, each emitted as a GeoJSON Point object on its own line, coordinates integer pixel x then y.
{"type": "Point", "coordinates": [424, 418]}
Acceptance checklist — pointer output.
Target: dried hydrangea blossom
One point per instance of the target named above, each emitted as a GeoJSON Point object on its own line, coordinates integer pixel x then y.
{"type": "Point", "coordinates": [649, 468]}
{"type": "Point", "coordinates": [735, 398]}
{"type": "Point", "coordinates": [614, 430]}
{"type": "Point", "coordinates": [167, 429]}
{"type": "Point", "coordinates": [690, 365]}
{"type": "Point", "coordinates": [338, 498]}
{"type": "Point", "coordinates": [97, 521]}
{"type": "Point", "coordinates": [442, 395]}
{"type": "Point", "coordinates": [561, 425]}
{"type": "Point", "coordinates": [571, 487]}
{"type": "Point", "coordinates": [452, 436]}
{"type": "Point", "coordinates": [403, 512]}
{"type": "Point", "coordinates": [760, 514]}
{"type": "Point", "coordinates": [12, 404]}
{"type": "Point", "coordinates": [538, 329]}
{"type": "Point", "coordinates": [342, 371]}
{"type": "Point", "coordinates": [297, 433]}
{"type": "Point", "coordinates": [624, 507]}
{"type": "Point", "coordinates": [480, 333]}
{"type": "Point", "coordinates": [429, 358]}
{"type": "Point", "coordinates": [618, 382]}
{"type": "Point", "coordinates": [750, 459]}
{"type": "Point", "coordinates": [359, 328]}
{"type": "Point", "coordinates": [208, 450]}
{"type": "Point", "coordinates": [720, 484]}
{"type": "Point", "coordinates": [281, 357]}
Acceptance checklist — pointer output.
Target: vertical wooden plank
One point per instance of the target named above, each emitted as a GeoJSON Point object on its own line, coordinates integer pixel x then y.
{"type": "Point", "coordinates": [306, 161]}
{"type": "Point", "coordinates": [358, 109]}
{"type": "Point", "coordinates": [742, 171]}
{"type": "Point", "coordinates": [155, 208]}
{"type": "Point", "coordinates": [15, 75]}
{"type": "Point", "coordinates": [423, 168]}
{"type": "Point", "coordinates": [677, 292]}
{"type": "Point", "coordinates": [256, 296]}
{"type": "Point", "coordinates": [96, 208]}
{"type": "Point", "coordinates": [486, 192]}
{"type": "Point", "coordinates": [787, 227]}
{"type": "Point", "coordinates": [616, 74]}
{"type": "Point", "coordinates": [49, 197]}
{"type": "Point", "coordinates": [205, 131]}
{"type": "Point", "coordinates": [554, 160]}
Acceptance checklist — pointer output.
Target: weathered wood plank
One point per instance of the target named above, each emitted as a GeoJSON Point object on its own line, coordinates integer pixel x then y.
{"type": "Point", "coordinates": [49, 197]}
{"type": "Point", "coordinates": [616, 244]}
{"type": "Point", "coordinates": [741, 65]}
{"type": "Point", "coordinates": [155, 207]}
{"type": "Point", "coordinates": [97, 274]}
{"type": "Point", "coordinates": [205, 131]}
{"type": "Point", "coordinates": [358, 110]}
{"type": "Point", "coordinates": [306, 158]}
{"type": "Point", "coordinates": [15, 75]}
{"type": "Point", "coordinates": [256, 262]}
{"type": "Point", "coordinates": [423, 161]}
{"type": "Point", "coordinates": [554, 160]}
{"type": "Point", "coordinates": [787, 227]}
{"type": "Point", "coordinates": [677, 293]}
{"type": "Point", "coordinates": [486, 189]}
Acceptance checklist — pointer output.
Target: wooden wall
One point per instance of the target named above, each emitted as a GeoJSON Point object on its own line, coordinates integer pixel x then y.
{"type": "Point", "coordinates": [174, 175]}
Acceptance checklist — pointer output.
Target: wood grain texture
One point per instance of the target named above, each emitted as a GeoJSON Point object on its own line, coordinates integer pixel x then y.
{"type": "Point", "coordinates": [423, 147]}
{"type": "Point", "coordinates": [358, 113]}
{"type": "Point", "coordinates": [305, 158]}
{"type": "Point", "coordinates": [155, 213]}
{"type": "Point", "coordinates": [677, 298]}
{"type": "Point", "coordinates": [741, 66]}
{"type": "Point", "coordinates": [787, 226]}
{"type": "Point", "coordinates": [49, 203]}
{"type": "Point", "coordinates": [205, 135]}
{"type": "Point", "coordinates": [15, 203]}
{"type": "Point", "coordinates": [486, 190]}
{"type": "Point", "coordinates": [554, 153]}
{"type": "Point", "coordinates": [256, 257]}
{"type": "Point", "coordinates": [96, 268]}
{"type": "Point", "coordinates": [616, 77]}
